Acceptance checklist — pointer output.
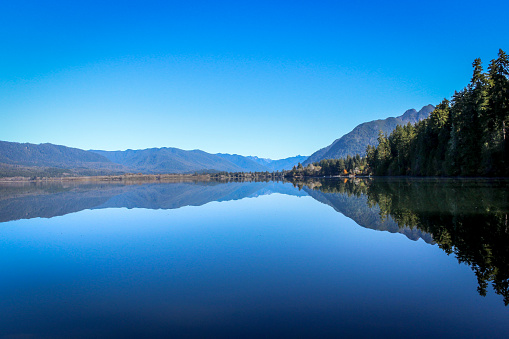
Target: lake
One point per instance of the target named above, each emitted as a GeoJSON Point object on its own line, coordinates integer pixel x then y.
{"type": "Point", "coordinates": [316, 258]}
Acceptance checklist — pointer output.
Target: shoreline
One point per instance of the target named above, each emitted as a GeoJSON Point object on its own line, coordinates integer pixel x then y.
{"type": "Point", "coordinates": [112, 178]}
{"type": "Point", "coordinates": [208, 177]}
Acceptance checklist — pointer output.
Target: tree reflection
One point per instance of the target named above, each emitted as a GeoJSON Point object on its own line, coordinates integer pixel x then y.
{"type": "Point", "coordinates": [467, 218]}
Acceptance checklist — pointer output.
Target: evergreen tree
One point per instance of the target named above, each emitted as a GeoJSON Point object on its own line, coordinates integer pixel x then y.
{"type": "Point", "coordinates": [498, 111]}
{"type": "Point", "coordinates": [470, 121]}
{"type": "Point", "coordinates": [340, 166]}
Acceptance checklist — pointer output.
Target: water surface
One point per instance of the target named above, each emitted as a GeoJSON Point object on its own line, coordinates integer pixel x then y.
{"type": "Point", "coordinates": [322, 258]}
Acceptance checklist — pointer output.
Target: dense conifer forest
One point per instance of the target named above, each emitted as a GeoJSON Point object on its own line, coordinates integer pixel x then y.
{"type": "Point", "coordinates": [465, 136]}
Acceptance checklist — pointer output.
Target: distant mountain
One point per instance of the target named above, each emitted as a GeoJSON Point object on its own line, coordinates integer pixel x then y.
{"type": "Point", "coordinates": [261, 161]}
{"type": "Point", "coordinates": [281, 164]}
{"type": "Point", "coordinates": [169, 160]}
{"type": "Point", "coordinates": [246, 163]}
{"type": "Point", "coordinates": [356, 141]}
{"type": "Point", "coordinates": [288, 163]}
{"type": "Point", "coordinates": [256, 164]}
{"type": "Point", "coordinates": [27, 157]}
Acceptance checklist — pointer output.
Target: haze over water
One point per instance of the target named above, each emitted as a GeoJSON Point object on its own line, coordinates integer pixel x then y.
{"type": "Point", "coordinates": [328, 259]}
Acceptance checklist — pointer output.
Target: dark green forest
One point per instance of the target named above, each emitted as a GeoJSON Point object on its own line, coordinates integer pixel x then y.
{"type": "Point", "coordinates": [465, 136]}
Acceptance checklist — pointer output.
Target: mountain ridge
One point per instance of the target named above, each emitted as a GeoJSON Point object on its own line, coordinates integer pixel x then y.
{"type": "Point", "coordinates": [168, 160]}
{"type": "Point", "coordinates": [356, 141]}
{"type": "Point", "coordinates": [28, 160]}
{"type": "Point", "coordinates": [28, 157]}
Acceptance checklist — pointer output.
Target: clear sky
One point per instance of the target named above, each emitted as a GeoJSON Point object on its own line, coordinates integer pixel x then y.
{"type": "Point", "coordinates": [267, 78]}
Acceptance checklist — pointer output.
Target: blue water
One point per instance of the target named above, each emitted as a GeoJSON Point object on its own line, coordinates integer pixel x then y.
{"type": "Point", "coordinates": [256, 263]}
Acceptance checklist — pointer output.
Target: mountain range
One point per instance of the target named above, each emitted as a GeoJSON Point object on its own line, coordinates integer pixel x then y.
{"type": "Point", "coordinates": [356, 141]}
{"type": "Point", "coordinates": [24, 159]}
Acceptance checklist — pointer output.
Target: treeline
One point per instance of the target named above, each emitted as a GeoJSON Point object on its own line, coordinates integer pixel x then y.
{"type": "Point", "coordinates": [247, 176]}
{"type": "Point", "coordinates": [351, 165]}
{"type": "Point", "coordinates": [7, 171]}
{"type": "Point", "coordinates": [466, 136]}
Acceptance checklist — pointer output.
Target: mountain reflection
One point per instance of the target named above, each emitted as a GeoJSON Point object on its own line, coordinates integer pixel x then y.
{"type": "Point", "coordinates": [47, 200]}
{"type": "Point", "coordinates": [467, 218]}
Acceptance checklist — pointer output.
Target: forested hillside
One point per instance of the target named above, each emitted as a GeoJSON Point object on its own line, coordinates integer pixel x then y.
{"type": "Point", "coordinates": [24, 159]}
{"type": "Point", "coordinates": [356, 141]}
{"type": "Point", "coordinates": [465, 136]}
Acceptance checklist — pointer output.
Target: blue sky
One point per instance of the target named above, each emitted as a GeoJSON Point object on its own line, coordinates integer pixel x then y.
{"type": "Point", "coordinates": [267, 78]}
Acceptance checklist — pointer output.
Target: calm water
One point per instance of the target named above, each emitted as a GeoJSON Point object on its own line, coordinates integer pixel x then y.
{"type": "Point", "coordinates": [379, 258]}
